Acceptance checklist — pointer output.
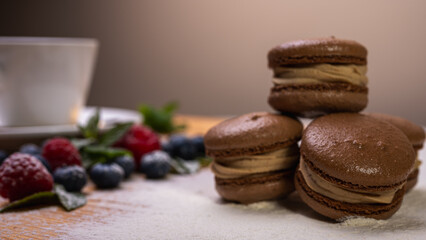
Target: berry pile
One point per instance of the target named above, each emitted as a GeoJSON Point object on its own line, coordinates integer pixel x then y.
{"type": "Point", "coordinates": [35, 169]}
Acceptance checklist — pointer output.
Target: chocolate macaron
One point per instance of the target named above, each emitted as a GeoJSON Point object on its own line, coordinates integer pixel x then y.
{"type": "Point", "coordinates": [318, 76]}
{"type": "Point", "coordinates": [353, 165]}
{"type": "Point", "coordinates": [254, 156]}
{"type": "Point", "coordinates": [414, 133]}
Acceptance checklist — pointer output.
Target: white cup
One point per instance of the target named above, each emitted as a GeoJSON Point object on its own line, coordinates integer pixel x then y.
{"type": "Point", "coordinates": [44, 81]}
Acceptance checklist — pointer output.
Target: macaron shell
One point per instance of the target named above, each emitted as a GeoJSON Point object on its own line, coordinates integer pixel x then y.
{"type": "Point", "coordinates": [316, 100]}
{"type": "Point", "coordinates": [339, 210]}
{"type": "Point", "coordinates": [414, 132]}
{"type": "Point", "coordinates": [412, 180]}
{"type": "Point", "coordinates": [357, 150]}
{"type": "Point", "coordinates": [322, 50]}
{"type": "Point", "coordinates": [254, 189]}
{"type": "Point", "coordinates": [252, 133]}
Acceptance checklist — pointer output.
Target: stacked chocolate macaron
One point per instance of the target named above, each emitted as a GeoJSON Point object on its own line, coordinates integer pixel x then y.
{"type": "Point", "coordinates": [350, 164]}
{"type": "Point", "coordinates": [318, 76]}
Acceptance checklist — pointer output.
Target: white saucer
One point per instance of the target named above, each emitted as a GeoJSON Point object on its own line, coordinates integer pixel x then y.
{"type": "Point", "coordinates": [12, 137]}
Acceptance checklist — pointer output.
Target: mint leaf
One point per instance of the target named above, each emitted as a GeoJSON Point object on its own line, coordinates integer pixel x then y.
{"type": "Point", "coordinates": [68, 200]}
{"type": "Point", "coordinates": [107, 152]}
{"type": "Point", "coordinates": [204, 161]}
{"type": "Point", "coordinates": [100, 154]}
{"type": "Point", "coordinates": [87, 161]}
{"type": "Point", "coordinates": [178, 167]}
{"type": "Point", "coordinates": [181, 166]}
{"type": "Point", "coordinates": [114, 134]}
{"type": "Point", "coordinates": [160, 120]}
{"type": "Point", "coordinates": [91, 130]}
{"type": "Point", "coordinates": [171, 107]}
{"type": "Point", "coordinates": [34, 199]}
{"type": "Point", "coordinates": [79, 143]}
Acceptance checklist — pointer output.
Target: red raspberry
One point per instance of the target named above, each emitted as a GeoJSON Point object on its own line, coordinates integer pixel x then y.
{"type": "Point", "coordinates": [60, 152]}
{"type": "Point", "coordinates": [22, 175]}
{"type": "Point", "coordinates": [139, 140]}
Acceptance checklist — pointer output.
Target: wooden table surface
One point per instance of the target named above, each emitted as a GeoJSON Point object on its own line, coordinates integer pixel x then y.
{"type": "Point", "coordinates": [44, 222]}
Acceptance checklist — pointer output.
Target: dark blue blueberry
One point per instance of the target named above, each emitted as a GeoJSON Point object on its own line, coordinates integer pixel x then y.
{"type": "Point", "coordinates": [73, 178]}
{"type": "Point", "coordinates": [182, 147]}
{"type": "Point", "coordinates": [127, 163]}
{"type": "Point", "coordinates": [155, 164]}
{"type": "Point", "coordinates": [30, 148]}
{"type": "Point", "coordinates": [3, 156]}
{"type": "Point", "coordinates": [198, 142]}
{"type": "Point", "coordinates": [106, 175]}
{"type": "Point", "coordinates": [44, 162]}
{"type": "Point", "coordinates": [167, 147]}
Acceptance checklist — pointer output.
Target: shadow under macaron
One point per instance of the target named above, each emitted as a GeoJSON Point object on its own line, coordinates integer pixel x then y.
{"type": "Point", "coordinates": [295, 204]}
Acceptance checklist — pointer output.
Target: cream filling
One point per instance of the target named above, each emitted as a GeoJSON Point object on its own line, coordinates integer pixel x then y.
{"type": "Point", "coordinates": [417, 164]}
{"type": "Point", "coordinates": [320, 73]}
{"type": "Point", "coordinates": [237, 167]}
{"type": "Point", "coordinates": [333, 191]}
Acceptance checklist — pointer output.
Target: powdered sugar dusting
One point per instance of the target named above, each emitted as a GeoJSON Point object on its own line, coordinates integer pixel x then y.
{"type": "Point", "coordinates": [361, 222]}
{"type": "Point", "coordinates": [367, 170]}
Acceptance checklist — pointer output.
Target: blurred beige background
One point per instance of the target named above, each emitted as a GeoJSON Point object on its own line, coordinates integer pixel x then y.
{"type": "Point", "coordinates": [211, 55]}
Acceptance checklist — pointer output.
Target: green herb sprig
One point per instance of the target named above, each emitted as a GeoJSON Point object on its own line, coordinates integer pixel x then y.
{"type": "Point", "coordinates": [161, 119]}
{"type": "Point", "coordinates": [68, 200]}
{"type": "Point", "coordinates": [96, 147]}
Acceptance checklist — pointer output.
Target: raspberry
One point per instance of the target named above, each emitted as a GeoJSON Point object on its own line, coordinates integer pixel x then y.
{"type": "Point", "coordinates": [139, 140]}
{"type": "Point", "coordinates": [22, 175]}
{"type": "Point", "coordinates": [60, 152]}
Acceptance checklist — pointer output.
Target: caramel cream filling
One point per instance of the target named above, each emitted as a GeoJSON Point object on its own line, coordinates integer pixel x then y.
{"type": "Point", "coordinates": [321, 73]}
{"type": "Point", "coordinates": [333, 191]}
{"type": "Point", "coordinates": [237, 167]}
{"type": "Point", "coordinates": [417, 164]}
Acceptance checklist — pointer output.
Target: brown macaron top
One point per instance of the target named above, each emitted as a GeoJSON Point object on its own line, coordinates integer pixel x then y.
{"type": "Point", "coordinates": [252, 133]}
{"type": "Point", "coordinates": [320, 50]}
{"type": "Point", "coordinates": [414, 132]}
{"type": "Point", "coordinates": [357, 149]}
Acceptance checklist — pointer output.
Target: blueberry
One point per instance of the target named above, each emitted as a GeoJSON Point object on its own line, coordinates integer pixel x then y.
{"type": "Point", "coordinates": [106, 175]}
{"type": "Point", "coordinates": [182, 147]}
{"type": "Point", "coordinates": [155, 164]}
{"type": "Point", "coordinates": [30, 148]}
{"type": "Point", "coordinates": [44, 162]}
{"type": "Point", "coordinates": [198, 142]}
{"type": "Point", "coordinates": [73, 178]}
{"type": "Point", "coordinates": [3, 156]}
{"type": "Point", "coordinates": [127, 163]}
{"type": "Point", "coordinates": [167, 147]}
